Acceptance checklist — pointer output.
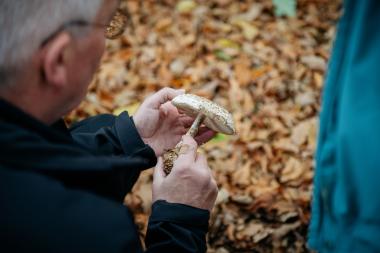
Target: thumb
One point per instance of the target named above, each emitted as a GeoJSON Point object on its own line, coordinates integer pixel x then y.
{"type": "Point", "coordinates": [187, 153]}
{"type": "Point", "coordinates": [164, 95]}
{"type": "Point", "coordinates": [158, 173]}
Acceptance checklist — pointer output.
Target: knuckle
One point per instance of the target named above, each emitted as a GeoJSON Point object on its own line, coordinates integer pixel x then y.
{"type": "Point", "coordinates": [179, 168]}
{"type": "Point", "coordinates": [166, 90]}
{"type": "Point", "coordinates": [205, 176]}
{"type": "Point", "coordinates": [182, 163]}
{"type": "Point", "coordinates": [190, 141]}
{"type": "Point", "coordinates": [183, 169]}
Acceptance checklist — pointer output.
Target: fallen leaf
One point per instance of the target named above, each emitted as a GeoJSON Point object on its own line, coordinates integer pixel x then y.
{"type": "Point", "coordinates": [300, 133]}
{"type": "Point", "coordinates": [226, 43]}
{"type": "Point", "coordinates": [285, 7]}
{"type": "Point", "coordinates": [292, 171]}
{"type": "Point", "coordinates": [177, 67]}
{"type": "Point", "coordinates": [242, 175]}
{"type": "Point", "coordinates": [243, 71]}
{"type": "Point", "coordinates": [286, 144]}
{"type": "Point", "coordinates": [314, 62]}
{"type": "Point", "coordinates": [249, 31]}
{"type": "Point", "coordinates": [131, 109]}
{"type": "Point", "coordinates": [186, 6]}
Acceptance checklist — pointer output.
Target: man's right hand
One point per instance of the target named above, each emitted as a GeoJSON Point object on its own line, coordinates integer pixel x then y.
{"type": "Point", "coordinates": [190, 181]}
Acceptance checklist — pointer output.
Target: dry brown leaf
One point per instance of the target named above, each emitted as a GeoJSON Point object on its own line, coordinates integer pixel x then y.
{"type": "Point", "coordinates": [243, 71]}
{"type": "Point", "coordinates": [301, 132]}
{"type": "Point", "coordinates": [314, 62]}
{"type": "Point", "coordinates": [242, 176]}
{"type": "Point", "coordinates": [293, 170]}
{"type": "Point", "coordinates": [285, 144]}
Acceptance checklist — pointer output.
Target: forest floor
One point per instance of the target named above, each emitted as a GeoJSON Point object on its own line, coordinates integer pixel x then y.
{"type": "Point", "coordinates": [267, 71]}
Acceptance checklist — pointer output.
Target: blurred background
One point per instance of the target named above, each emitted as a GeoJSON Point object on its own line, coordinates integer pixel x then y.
{"type": "Point", "coordinates": [265, 61]}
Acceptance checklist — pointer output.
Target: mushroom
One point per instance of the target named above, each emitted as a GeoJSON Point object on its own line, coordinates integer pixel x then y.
{"type": "Point", "coordinates": [204, 111]}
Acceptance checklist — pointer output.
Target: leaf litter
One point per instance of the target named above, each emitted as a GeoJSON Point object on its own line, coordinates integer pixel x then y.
{"type": "Point", "coordinates": [266, 70]}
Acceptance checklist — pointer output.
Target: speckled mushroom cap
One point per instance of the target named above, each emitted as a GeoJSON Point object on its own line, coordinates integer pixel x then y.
{"type": "Point", "coordinates": [216, 117]}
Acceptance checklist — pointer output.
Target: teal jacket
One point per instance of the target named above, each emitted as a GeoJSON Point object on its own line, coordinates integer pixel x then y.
{"type": "Point", "coordinates": [346, 199]}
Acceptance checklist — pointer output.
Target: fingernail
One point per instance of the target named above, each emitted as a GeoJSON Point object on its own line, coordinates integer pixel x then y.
{"type": "Point", "coordinates": [183, 149]}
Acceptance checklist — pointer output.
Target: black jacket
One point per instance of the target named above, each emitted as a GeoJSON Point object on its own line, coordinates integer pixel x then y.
{"type": "Point", "coordinates": [61, 190]}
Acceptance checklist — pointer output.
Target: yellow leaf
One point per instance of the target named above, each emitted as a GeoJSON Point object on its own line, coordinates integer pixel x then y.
{"type": "Point", "coordinates": [186, 6]}
{"type": "Point", "coordinates": [226, 43]}
{"type": "Point", "coordinates": [318, 80]}
{"type": "Point", "coordinates": [131, 109]}
{"type": "Point", "coordinates": [249, 31]}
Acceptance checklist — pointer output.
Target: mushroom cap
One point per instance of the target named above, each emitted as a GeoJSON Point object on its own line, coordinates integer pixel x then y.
{"type": "Point", "coordinates": [216, 117]}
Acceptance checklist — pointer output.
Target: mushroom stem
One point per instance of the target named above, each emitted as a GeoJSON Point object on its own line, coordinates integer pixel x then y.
{"type": "Point", "coordinates": [171, 155]}
{"type": "Point", "coordinates": [195, 126]}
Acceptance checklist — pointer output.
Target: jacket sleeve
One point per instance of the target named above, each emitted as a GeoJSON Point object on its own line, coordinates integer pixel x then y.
{"type": "Point", "coordinates": [176, 228]}
{"type": "Point", "coordinates": [44, 216]}
{"type": "Point", "coordinates": [107, 134]}
{"type": "Point", "coordinates": [122, 155]}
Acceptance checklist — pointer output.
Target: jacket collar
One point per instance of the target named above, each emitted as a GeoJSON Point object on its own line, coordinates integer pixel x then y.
{"type": "Point", "coordinates": [13, 115]}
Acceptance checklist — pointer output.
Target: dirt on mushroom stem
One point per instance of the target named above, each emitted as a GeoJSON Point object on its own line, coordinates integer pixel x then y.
{"type": "Point", "coordinates": [171, 155]}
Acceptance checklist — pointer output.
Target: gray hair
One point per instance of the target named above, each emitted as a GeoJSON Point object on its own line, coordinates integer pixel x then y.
{"type": "Point", "coordinates": [24, 24]}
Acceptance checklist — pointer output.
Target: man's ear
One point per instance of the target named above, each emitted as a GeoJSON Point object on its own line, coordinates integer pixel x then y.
{"type": "Point", "coordinates": [54, 62]}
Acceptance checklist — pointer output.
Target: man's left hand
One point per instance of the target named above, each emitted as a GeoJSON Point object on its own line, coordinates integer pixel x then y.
{"type": "Point", "coordinates": [161, 126]}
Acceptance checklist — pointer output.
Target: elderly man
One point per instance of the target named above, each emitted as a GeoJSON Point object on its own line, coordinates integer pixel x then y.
{"type": "Point", "coordinates": [61, 190]}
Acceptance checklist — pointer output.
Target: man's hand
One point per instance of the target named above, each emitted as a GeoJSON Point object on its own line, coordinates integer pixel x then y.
{"type": "Point", "coordinates": [190, 182]}
{"type": "Point", "coordinates": [161, 126]}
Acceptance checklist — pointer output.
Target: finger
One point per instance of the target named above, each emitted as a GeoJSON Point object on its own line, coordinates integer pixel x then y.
{"type": "Point", "coordinates": [204, 135]}
{"type": "Point", "coordinates": [182, 112]}
{"type": "Point", "coordinates": [180, 130]}
{"type": "Point", "coordinates": [201, 162]}
{"type": "Point", "coordinates": [167, 109]}
{"type": "Point", "coordinates": [158, 173]}
{"type": "Point", "coordinates": [187, 153]}
{"type": "Point", "coordinates": [162, 96]}
{"type": "Point", "coordinates": [201, 165]}
{"type": "Point", "coordinates": [186, 121]}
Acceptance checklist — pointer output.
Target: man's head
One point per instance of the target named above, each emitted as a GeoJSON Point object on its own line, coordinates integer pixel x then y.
{"type": "Point", "coordinates": [49, 51]}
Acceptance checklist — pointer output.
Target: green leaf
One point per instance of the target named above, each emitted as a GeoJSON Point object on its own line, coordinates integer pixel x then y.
{"type": "Point", "coordinates": [219, 138]}
{"type": "Point", "coordinates": [220, 54]}
{"type": "Point", "coordinates": [285, 7]}
{"type": "Point", "coordinates": [226, 43]}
